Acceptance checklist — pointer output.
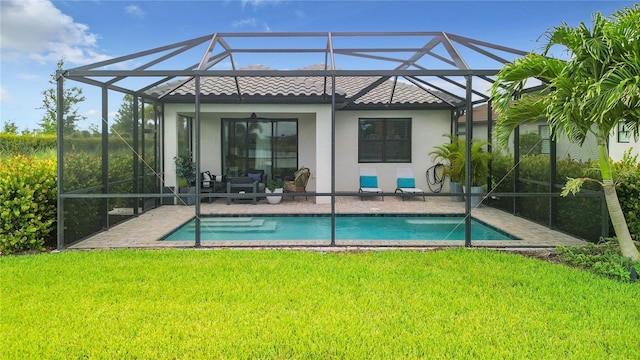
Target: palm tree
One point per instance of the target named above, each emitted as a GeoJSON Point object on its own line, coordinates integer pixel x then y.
{"type": "Point", "coordinates": [598, 87]}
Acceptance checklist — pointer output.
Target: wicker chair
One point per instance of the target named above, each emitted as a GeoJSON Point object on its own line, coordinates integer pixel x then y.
{"type": "Point", "coordinates": [298, 182]}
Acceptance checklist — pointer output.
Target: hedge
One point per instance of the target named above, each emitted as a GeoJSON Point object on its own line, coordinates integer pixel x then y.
{"type": "Point", "coordinates": [11, 144]}
{"type": "Point", "coordinates": [27, 203]}
{"type": "Point", "coordinates": [579, 216]}
{"type": "Point", "coordinates": [28, 144]}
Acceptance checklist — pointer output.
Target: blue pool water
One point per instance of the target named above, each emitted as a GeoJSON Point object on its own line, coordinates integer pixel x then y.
{"type": "Point", "coordinates": [347, 228]}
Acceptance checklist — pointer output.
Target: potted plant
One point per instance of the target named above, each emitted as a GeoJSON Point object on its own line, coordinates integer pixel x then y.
{"type": "Point", "coordinates": [479, 168]}
{"type": "Point", "coordinates": [450, 154]}
{"type": "Point", "coordinates": [186, 173]}
{"type": "Point", "coordinates": [274, 186]}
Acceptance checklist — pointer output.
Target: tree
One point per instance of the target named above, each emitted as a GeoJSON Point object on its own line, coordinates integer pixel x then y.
{"type": "Point", "coordinates": [598, 87]}
{"type": "Point", "coordinates": [71, 97]}
{"type": "Point", "coordinates": [123, 120]}
{"type": "Point", "coordinates": [9, 127]}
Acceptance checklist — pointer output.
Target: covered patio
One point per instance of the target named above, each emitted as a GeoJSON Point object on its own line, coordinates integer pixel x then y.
{"type": "Point", "coordinates": [190, 96]}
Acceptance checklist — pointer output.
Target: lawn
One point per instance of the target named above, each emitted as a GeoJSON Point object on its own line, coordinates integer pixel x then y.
{"type": "Point", "coordinates": [190, 304]}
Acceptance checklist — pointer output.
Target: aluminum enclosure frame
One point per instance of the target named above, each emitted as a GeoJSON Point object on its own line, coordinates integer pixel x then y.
{"type": "Point", "coordinates": [444, 48]}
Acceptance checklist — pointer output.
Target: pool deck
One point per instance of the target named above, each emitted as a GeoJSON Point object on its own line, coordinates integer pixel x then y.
{"type": "Point", "coordinates": [146, 230]}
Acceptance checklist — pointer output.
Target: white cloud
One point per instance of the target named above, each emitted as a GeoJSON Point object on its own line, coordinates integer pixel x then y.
{"type": "Point", "coordinates": [37, 30]}
{"type": "Point", "coordinates": [250, 22]}
{"type": "Point", "coordinates": [26, 76]}
{"type": "Point", "coordinates": [134, 10]}
{"type": "Point", "coordinates": [300, 14]}
{"type": "Point", "coordinates": [259, 3]}
{"type": "Point", "coordinates": [91, 113]}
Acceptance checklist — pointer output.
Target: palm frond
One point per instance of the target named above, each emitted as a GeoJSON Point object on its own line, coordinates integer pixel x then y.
{"type": "Point", "coordinates": [528, 109]}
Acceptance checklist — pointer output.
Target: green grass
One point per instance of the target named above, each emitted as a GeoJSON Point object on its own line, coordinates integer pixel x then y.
{"type": "Point", "coordinates": [188, 304]}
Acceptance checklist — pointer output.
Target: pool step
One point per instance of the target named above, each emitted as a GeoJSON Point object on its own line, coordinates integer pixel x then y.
{"type": "Point", "coordinates": [231, 221]}
{"type": "Point", "coordinates": [235, 225]}
{"type": "Point", "coordinates": [434, 221]}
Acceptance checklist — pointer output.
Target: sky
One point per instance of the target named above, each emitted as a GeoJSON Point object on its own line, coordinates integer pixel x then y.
{"type": "Point", "coordinates": [36, 34]}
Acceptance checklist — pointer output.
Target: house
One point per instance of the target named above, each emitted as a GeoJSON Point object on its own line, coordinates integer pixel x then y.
{"type": "Point", "coordinates": [620, 141]}
{"type": "Point", "coordinates": [280, 124]}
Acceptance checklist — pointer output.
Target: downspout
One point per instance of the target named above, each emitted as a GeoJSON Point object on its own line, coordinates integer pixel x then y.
{"type": "Point", "coordinates": [60, 151]}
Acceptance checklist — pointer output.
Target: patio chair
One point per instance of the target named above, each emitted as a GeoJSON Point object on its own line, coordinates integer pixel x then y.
{"type": "Point", "coordinates": [369, 182]}
{"type": "Point", "coordinates": [298, 182]}
{"type": "Point", "coordinates": [207, 184]}
{"type": "Point", "coordinates": [259, 176]}
{"type": "Point", "coordinates": [406, 182]}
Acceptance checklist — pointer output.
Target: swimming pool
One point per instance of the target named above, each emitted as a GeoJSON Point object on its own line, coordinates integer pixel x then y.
{"type": "Point", "coordinates": [352, 227]}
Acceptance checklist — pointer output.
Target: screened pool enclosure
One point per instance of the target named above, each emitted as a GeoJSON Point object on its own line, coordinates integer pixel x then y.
{"type": "Point", "coordinates": [277, 102]}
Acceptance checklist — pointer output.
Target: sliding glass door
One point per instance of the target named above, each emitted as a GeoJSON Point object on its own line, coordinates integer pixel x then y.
{"type": "Point", "coordinates": [265, 144]}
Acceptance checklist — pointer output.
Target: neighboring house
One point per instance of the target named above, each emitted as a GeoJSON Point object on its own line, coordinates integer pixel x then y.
{"type": "Point", "coordinates": [619, 141]}
{"type": "Point", "coordinates": [622, 140]}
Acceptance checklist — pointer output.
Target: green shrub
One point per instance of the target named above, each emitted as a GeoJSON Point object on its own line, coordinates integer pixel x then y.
{"type": "Point", "coordinates": [579, 216]}
{"type": "Point", "coordinates": [82, 171]}
{"type": "Point", "coordinates": [627, 172]}
{"type": "Point", "coordinates": [530, 143]}
{"type": "Point", "coordinates": [11, 144]}
{"type": "Point", "coordinates": [93, 144]}
{"type": "Point", "coordinates": [27, 203]}
{"type": "Point", "coordinates": [603, 259]}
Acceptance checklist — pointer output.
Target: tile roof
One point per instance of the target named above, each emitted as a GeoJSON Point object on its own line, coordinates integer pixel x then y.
{"type": "Point", "coordinates": [353, 91]}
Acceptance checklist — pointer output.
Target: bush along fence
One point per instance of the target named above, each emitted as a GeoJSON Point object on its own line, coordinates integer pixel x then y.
{"type": "Point", "coordinates": [27, 203]}
{"type": "Point", "coordinates": [578, 216]}
{"type": "Point", "coordinates": [11, 144]}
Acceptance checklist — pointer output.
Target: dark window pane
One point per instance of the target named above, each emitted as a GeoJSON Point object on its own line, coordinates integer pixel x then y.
{"type": "Point", "coordinates": [398, 151]}
{"type": "Point", "coordinates": [384, 140]}
{"type": "Point", "coordinates": [269, 145]}
{"type": "Point", "coordinates": [371, 151]}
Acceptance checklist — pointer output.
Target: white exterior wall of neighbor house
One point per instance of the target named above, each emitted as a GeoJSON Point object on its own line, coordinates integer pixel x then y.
{"type": "Point", "coordinates": [564, 148]}
{"type": "Point", "coordinates": [427, 128]}
{"type": "Point", "coordinates": [617, 149]}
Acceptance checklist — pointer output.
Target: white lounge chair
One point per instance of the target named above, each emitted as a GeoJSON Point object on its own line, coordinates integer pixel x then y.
{"type": "Point", "coordinates": [406, 182]}
{"type": "Point", "coordinates": [369, 182]}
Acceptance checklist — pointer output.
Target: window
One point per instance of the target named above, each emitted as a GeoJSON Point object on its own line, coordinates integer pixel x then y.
{"type": "Point", "coordinates": [185, 140]}
{"type": "Point", "coordinates": [623, 133]}
{"type": "Point", "coordinates": [265, 144]}
{"type": "Point", "coordinates": [384, 140]}
{"type": "Point", "coordinates": [543, 131]}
